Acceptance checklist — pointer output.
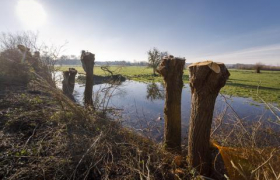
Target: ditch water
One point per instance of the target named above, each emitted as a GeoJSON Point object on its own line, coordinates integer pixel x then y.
{"type": "Point", "coordinates": [140, 105]}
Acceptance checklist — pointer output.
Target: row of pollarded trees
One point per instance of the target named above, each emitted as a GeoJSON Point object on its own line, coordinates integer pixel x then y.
{"type": "Point", "coordinates": [206, 80]}
{"type": "Point", "coordinates": [68, 82]}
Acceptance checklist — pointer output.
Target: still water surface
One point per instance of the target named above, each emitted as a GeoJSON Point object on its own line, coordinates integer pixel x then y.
{"type": "Point", "coordinates": [140, 105]}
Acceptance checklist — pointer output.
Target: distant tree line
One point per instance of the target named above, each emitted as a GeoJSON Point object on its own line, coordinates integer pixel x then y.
{"type": "Point", "coordinates": [257, 67]}
{"type": "Point", "coordinates": [154, 56]}
{"type": "Point", "coordinates": [74, 60]}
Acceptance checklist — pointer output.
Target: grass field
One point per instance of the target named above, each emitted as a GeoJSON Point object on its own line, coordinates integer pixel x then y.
{"type": "Point", "coordinates": [242, 83]}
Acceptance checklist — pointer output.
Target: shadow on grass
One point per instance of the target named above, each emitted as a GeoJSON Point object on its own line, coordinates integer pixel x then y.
{"type": "Point", "coordinates": [229, 83]}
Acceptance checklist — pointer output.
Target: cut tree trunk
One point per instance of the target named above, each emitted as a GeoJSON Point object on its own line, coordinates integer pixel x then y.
{"type": "Point", "coordinates": [65, 82]}
{"type": "Point", "coordinates": [172, 71]}
{"type": "Point", "coordinates": [206, 80]}
{"type": "Point", "coordinates": [71, 81]}
{"type": "Point", "coordinates": [87, 59]}
{"type": "Point", "coordinates": [68, 82]}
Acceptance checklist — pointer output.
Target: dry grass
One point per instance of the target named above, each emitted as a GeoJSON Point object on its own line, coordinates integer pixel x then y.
{"type": "Point", "coordinates": [47, 136]}
{"type": "Point", "coordinates": [250, 150]}
{"type": "Point", "coordinates": [44, 135]}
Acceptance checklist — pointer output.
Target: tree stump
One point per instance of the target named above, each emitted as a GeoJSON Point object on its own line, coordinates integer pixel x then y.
{"type": "Point", "coordinates": [87, 59]}
{"type": "Point", "coordinates": [27, 57]}
{"type": "Point", "coordinates": [172, 71]}
{"type": "Point", "coordinates": [65, 83]}
{"type": "Point", "coordinates": [68, 82]}
{"type": "Point", "coordinates": [206, 80]}
{"type": "Point", "coordinates": [71, 81]}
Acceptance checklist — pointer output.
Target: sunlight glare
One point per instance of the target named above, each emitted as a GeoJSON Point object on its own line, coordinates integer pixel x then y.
{"type": "Point", "coordinates": [31, 13]}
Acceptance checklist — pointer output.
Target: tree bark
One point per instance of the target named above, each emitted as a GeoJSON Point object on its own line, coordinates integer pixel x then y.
{"type": "Point", "coordinates": [65, 82]}
{"type": "Point", "coordinates": [71, 81]}
{"type": "Point", "coordinates": [172, 71]}
{"type": "Point", "coordinates": [206, 80]}
{"type": "Point", "coordinates": [68, 82]}
{"type": "Point", "coordinates": [87, 59]}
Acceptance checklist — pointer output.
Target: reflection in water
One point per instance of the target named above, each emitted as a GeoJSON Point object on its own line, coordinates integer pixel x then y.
{"type": "Point", "coordinates": [141, 105]}
{"type": "Point", "coordinates": [154, 92]}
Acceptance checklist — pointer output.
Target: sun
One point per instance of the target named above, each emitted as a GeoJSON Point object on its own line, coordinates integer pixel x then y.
{"type": "Point", "coordinates": [31, 13]}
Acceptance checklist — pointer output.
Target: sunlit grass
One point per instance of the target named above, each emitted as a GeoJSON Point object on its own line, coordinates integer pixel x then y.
{"type": "Point", "coordinates": [245, 83]}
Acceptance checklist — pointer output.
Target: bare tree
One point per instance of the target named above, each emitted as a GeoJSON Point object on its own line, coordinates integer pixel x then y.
{"type": "Point", "coordinates": [12, 40]}
{"type": "Point", "coordinates": [154, 57]}
{"type": "Point", "coordinates": [21, 51]}
{"type": "Point", "coordinates": [48, 53]}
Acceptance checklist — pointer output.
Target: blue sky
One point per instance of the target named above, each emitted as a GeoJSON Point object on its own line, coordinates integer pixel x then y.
{"type": "Point", "coordinates": [229, 31]}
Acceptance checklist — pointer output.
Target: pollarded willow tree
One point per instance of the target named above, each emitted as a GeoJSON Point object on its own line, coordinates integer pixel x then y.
{"type": "Point", "coordinates": [206, 80]}
{"type": "Point", "coordinates": [68, 82]}
{"type": "Point", "coordinates": [87, 60]}
{"type": "Point", "coordinates": [172, 69]}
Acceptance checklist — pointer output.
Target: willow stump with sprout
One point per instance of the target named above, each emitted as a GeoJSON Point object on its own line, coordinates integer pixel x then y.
{"type": "Point", "coordinates": [87, 59]}
{"type": "Point", "coordinates": [206, 80]}
{"type": "Point", "coordinates": [172, 68]}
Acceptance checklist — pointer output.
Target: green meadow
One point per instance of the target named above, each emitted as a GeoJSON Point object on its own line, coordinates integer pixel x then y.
{"type": "Point", "coordinates": [242, 83]}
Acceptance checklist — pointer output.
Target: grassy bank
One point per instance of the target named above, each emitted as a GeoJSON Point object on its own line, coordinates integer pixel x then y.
{"type": "Point", "coordinates": [245, 83]}
{"type": "Point", "coordinates": [46, 136]}
{"type": "Point", "coordinates": [242, 83]}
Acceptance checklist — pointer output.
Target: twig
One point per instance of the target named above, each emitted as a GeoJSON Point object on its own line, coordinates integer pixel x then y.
{"type": "Point", "coordinates": [221, 121]}
{"type": "Point", "coordinates": [236, 115]}
{"type": "Point", "coordinates": [240, 172]}
{"type": "Point", "coordinates": [97, 139]}
{"type": "Point", "coordinates": [30, 136]}
{"type": "Point", "coordinates": [147, 166]}
{"type": "Point", "coordinates": [271, 155]}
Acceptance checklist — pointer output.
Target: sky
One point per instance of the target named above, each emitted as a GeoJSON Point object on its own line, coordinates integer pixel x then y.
{"type": "Point", "coordinates": [229, 31]}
